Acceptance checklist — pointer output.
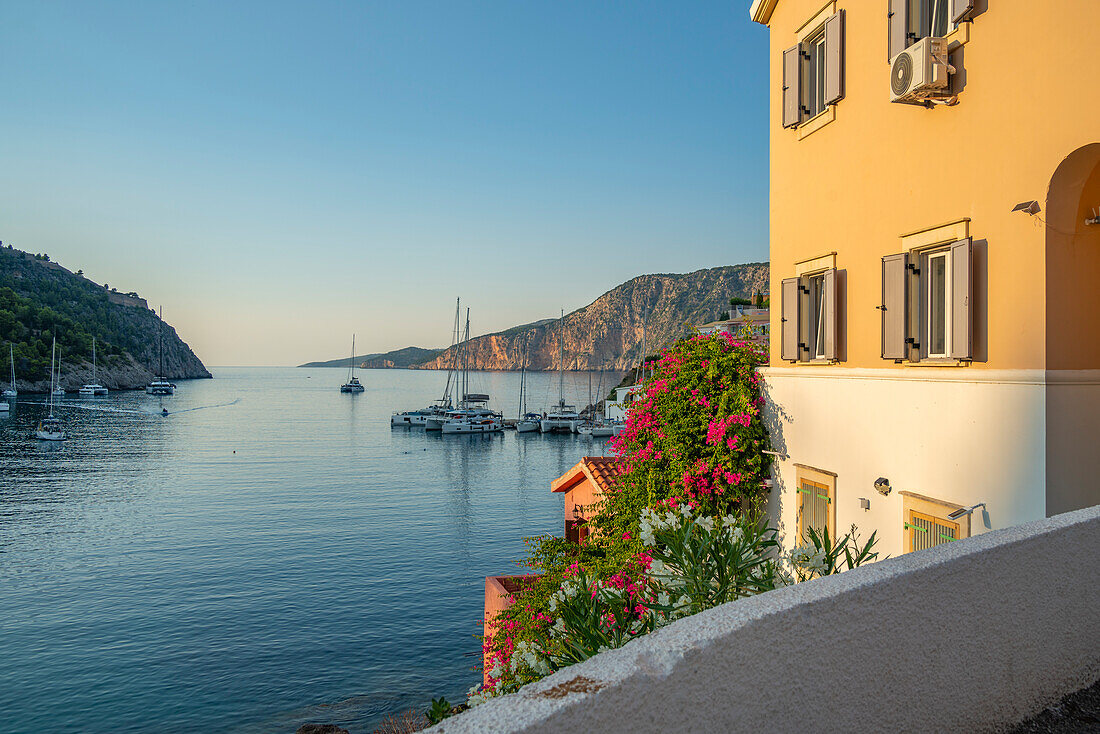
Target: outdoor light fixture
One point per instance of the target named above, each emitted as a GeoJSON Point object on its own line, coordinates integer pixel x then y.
{"type": "Point", "coordinates": [776, 454]}
{"type": "Point", "coordinates": [1095, 219]}
{"type": "Point", "coordinates": [1027, 207]}
{"type": "Point", "coordinates": [882, 484]}
{"type": "Point", "coordinates": [964, 511]}
{"type": "Point", "coordinates": [576, 511]}
{"type": "Point", "coordinates": [864, 503]}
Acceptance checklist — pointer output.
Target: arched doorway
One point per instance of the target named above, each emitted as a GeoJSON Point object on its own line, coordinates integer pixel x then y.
{"type": "Point", "coordinates": [1073, 333]}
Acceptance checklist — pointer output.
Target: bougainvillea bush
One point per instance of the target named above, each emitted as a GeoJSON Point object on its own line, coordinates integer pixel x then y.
{"type": "Point", "coordinates": [695, 439]}
{"type": "Point", "coordinates": [690, 563]}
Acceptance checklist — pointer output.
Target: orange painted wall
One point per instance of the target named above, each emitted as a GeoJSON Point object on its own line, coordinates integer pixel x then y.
{"type": "Point", "coordinates": [880, 170]}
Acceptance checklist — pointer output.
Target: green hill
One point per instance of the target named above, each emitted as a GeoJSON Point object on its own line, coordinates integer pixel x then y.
{"type": "Point", "coordinates": [40, 300]}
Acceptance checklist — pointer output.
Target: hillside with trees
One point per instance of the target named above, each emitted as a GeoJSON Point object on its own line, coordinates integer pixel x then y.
{"type": "Point", "coordinates": [40, 300]}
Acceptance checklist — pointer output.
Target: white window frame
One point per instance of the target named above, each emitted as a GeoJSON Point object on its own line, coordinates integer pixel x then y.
{"type": "Point", "coordinates": [921, 16]}
{"type": "Point", "coordinates": [815, 282]}
{"type": "Point", "coordinates": [926, 303]}
{"type": "Point", "coordinates": [812, 94]}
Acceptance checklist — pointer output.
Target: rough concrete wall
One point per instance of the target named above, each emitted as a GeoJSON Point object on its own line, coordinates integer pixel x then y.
{"type": "Point", "coordinates": [970, 636]}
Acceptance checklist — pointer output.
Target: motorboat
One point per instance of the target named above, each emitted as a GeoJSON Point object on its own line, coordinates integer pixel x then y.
{"type": "Point", "coordinates": [473, 421]}
{"type": "Point", "coordinates": [49, 429]}
{"type": "Point", "coordinates": [352, 385]}
{"type": "Point", "coordinates": [420, 418]}
{"type": "Point", "coordinates": [94, 388]}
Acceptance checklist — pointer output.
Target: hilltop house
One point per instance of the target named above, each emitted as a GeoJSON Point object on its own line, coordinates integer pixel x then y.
{"type": "Point", "coordinates": [752, 323]}
{"type": "Point", "coordinates": [615, 409]}
{"type": "Point", "coordinates": [935, 169]}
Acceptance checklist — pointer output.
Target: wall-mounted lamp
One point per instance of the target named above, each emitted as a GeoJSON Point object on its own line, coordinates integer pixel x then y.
{"type": "Point", "coordinates": [864, 503]}
{"type": "Point", "coordinates": [576, 511]}
{"type": "Point", "coordinates": [965, 511]}
{"type": "Point", "coordinates": [776, 454]}
{"type": "Point", "coordinates": [1027, 207]}
{"type": "Point", "coordinates": [1095, 219]}
{"type": "Point", "coordinates": [882, 484]}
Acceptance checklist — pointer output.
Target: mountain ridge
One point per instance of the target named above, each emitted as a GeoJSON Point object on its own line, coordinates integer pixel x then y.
{"type": "Point", "coordinates": [606, 333]}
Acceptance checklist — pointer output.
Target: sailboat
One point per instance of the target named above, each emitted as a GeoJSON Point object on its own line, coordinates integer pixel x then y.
{"type": "Point", "coordinates": [525, 422]}
{"type": "Point", "coordinates": [473, 414]}
{"type": "Point", "coordinates": [49, 428]}
{"type": "Point", "coordinates": [561, 418]}
{"type": "Point", "coordinates": [352, 385]}
{"type": "Point", "coordinates": [433, 416]}
{"type": "Point", "coordinates": [11, 392]}
{"type": "Point", "coordinates": [159, 385]}
{"type": "Point", "coordinates": [94, 388]}
{"type": "Point", "coordinates": [56, 389]}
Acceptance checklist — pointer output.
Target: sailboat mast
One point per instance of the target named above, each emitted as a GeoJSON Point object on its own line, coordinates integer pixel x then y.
{"type": "Point", "coordinates": [452, 364]}
{"type": "Point", "coordinates": [351, 359]}
{"type": "Point", "coordinates": [93, 360]}
{"type": "Point", "coordinates": [53, 350]}
{"type": "Point", "coordinates": [561, 360]}
{"type": "Point", "coordinates": [643, 347]}
{"type": "Point", "coordinates": [160, 340]}
{"type": "Point", "coordinates": [466, 360]}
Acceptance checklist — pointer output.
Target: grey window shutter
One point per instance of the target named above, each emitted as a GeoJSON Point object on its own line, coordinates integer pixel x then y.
{"type": "Point", "coordinates": [829, 323]}
{"type": "Point", "coordinates": [898, 33]}
{"type": "Point", "coordinates": [789, 323]}
{"type": "Point", "coordinates": [961, 10]}
{"type": "Point", "coordinates": [834, 58]}
{"type": "Point", "coordinates": [792, 87]}
{"type": "Point", "coordinates": [894, 306]}
{"type": "Point", "coordinates": [805, 312]}
{"type": "Point", "coordinates": [962, 293]}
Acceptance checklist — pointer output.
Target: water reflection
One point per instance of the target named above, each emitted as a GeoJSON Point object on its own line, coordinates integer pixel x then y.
{"type": "Point", "coordinates": [289, 552]}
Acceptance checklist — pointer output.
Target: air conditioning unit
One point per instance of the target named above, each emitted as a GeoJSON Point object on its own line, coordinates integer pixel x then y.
{"type": "Point", "coordinates": [920, 72]}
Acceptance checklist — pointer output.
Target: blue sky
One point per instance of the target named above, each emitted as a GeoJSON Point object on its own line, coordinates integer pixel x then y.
{"type": "Point", "coordinates": [279, 175]}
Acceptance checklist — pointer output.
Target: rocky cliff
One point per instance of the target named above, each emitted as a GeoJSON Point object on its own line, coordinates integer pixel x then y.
{"type": "Point", "coordinates": [40, 300]}
{"type": "Point", "coordinates": [607, 334]}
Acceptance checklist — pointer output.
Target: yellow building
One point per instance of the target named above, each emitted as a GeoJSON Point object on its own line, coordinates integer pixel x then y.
{"type": "Point", "coordinates": [935, 263]}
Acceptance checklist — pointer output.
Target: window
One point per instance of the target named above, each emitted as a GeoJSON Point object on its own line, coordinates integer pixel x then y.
{"type": "Point", "coordinates": [926, 531]}
{"type": "Point", "coordinates": [938, 297]}
{"type": "Point", "coordinates": [809, 320]}
{"type": "Point", "coordinates": [813, 75]}
{"type": "Point", "coordinates": [926, 522]}
{"type": "Point", "coordinates": [814, 502]}
{"type": "Point", "coordinates": [813, 71]}
{"type": "Point", "coordinates": [926, 303]}
{"type": "Point", "coordinates": [929, 18]}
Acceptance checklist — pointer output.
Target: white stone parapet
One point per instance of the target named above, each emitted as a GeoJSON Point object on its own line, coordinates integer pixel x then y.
{"type": "Point", "coordinates": [975, 635]}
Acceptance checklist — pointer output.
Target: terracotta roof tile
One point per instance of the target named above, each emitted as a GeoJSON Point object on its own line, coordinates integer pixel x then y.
{"type": "Point", "coordinates": [604, 470]}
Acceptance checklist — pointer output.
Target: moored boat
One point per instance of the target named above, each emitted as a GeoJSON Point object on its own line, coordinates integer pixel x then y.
{"type": "Point", "coordinates": [11, 392]}
{"type": "Point", "coordinates": [94, 388]}
{"type": "Point", "coordinates": [352, 385]}
{"type": "Point", "coordinates": [159, 385]}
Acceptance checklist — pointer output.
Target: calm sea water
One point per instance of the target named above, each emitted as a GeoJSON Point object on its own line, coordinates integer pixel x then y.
{"type": "Point", "coordinates": [289, 558]}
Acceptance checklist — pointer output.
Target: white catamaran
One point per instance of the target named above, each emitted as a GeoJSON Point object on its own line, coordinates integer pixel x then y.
{"type": "Point", "coordinates": [561, 418]}
{"type": "Point", "coordinates": [352, 385]}
{"type": "Point", "coordinates": [94, 388]}
{"type": "Point", "coordinates": [49, 428]}
{"type": "Point", "coordinates": [159, 385]}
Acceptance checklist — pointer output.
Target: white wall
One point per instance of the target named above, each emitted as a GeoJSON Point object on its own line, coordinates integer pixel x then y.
{"type": "Point", "coordinates": [1073, 439]}
{"type": "Point", "coordinates": [974, 636]}
{"type": "Point", "coordinates": [956, 435]}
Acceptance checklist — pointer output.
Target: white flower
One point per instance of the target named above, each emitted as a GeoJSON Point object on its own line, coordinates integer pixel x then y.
{"type": "Point", "coordinates": [707, 523]}
{"type": "Point", "coordinates": [662, 599]}
{"type": "Point", "coordinates": [559, 626]}
{"type": "Point", "coordinates": [685, 510]}
{"type": "Point", "coordinates": [494, 672]}
{"type": "Point", "coordinates": [657, 567]}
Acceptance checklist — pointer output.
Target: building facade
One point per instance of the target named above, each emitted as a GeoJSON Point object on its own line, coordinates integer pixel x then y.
{"type": "Point", "coordinates": [935, 166]}
{"type": "Point", "coordinates": [754, 324]}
